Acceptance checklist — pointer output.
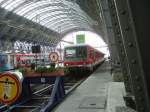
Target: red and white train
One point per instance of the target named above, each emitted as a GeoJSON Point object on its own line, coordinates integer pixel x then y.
{"type": "Point", "coordinates": [24, 60]}
{"type": "Point", "coordinates": [82, 57]}
{"type": "Point", "coordinates": [11, 61]}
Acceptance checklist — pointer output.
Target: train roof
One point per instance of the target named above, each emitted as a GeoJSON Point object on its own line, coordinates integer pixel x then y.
{"type": "Point", "coordinates": [77, 45]}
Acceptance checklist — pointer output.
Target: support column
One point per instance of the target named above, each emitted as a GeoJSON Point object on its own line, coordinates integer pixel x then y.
{"type": "Point", "coordinates": [133, 31]}
{"type": "Point", "coordinates": [109, 31]}
{"type": "Point", "coordinates": [115, 34]}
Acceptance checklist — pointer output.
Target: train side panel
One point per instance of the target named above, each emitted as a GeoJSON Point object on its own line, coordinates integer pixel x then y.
{"type": "Point", "coordinates": [90, 58]}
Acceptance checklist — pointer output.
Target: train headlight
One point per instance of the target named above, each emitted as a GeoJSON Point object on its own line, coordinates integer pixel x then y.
{"type": "Point", "coordinates": [66, 64]}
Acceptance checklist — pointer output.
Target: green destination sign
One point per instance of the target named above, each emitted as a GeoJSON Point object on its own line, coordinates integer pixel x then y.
{"type": "Point", "coordinates": [80, 38]}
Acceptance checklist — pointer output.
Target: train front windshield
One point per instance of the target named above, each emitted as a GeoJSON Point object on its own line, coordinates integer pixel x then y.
{"type": "Point", "coordinates": [75, 53]}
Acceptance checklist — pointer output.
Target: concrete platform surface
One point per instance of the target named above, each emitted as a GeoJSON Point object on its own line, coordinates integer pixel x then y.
{"type": "Point", "coordinates": [91, 95]}
{"type": "Point", "coordinates": [116, 91]}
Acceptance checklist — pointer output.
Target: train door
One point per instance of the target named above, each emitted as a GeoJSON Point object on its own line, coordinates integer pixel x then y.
{"type": "Point", "coordinates": [11, 61]}
{"type": "Point", "coordinates": [92, 55]}
{"type": "Point", "coordinates": [91, 59]}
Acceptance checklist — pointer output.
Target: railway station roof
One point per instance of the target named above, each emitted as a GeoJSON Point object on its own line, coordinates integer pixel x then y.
{"type": "Point", "coordinates": [59, 16]}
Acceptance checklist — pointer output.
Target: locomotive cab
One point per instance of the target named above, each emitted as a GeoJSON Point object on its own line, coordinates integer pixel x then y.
{"type": "Point", "coordinates": [75, 56]}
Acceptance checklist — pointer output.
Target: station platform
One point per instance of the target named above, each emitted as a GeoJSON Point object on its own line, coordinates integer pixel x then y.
{"type": "Point", "coordinates": [92, 94]}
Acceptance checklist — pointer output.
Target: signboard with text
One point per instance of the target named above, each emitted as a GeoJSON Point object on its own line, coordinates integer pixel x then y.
{"type": "Point", "coordinates": [80, 38]}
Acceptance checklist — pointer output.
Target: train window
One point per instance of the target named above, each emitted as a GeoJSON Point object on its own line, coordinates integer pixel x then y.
{"type": "Point", "coordinates": [70, 52]}
{"type": "Point", "coordinates": [28, 61]}
{"type": "Point", "coordinates": [75, 52]}
{"type": "Point", "coordinates": [91, 53]}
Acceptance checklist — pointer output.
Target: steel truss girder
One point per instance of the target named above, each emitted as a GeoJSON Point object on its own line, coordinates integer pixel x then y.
{"type": "Point", "coordinates": [24, 34]}
{"type": "Point", "coordinates": [120, 47]}
{"type": "Point", "coordinates": [57, 21]}
{"type": "Point", "coordinates": [65, 13]}
{"type": "Point", "coordinates": [21, 21]}
{"type": "Point", "coordinates": [64, 22]}
{"type": "Point", "coordinates": [23, 6]}
{"type": "Point", "coordinates": [69, 13]}
{"type": "Point", "coordinates": [46, 5]}
{"type": "Point", "coordinates": [27, 11]}
{"type": "Point", "coordinates": [13, 31]}
{"type": "Point", "coordinates": [109, 32]}
{"type": "Point", "coordinates": [6, 45]}
{"type": "Point", "coordinates": [72, 7]}
{"type": "Point", "coordinates": [4, 30]}
{"type": "Point", "coordinates": [76, 12]}
{"type": "Point", "coordinates": [7, 33]}
{"type": "Point", "coordinates": [130, 37]}
{"type": "Point", "coordinates": [64, 29]}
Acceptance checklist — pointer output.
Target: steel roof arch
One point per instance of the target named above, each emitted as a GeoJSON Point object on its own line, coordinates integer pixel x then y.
{"type": "Point", "coordinates": [63, 10]}
{"type": "Point", "coordinates": [61, 25]}
{"type": "Point", "coordinates": [68, 30]}
{"type": "Point", "coordinates": [73, 15]}
{"type": "Point", "coordinates": [60, 2]}
{"type": "Point", "coordinates": [65, 22]}
{"type": "Point", "coordinates": [65, 14]}
{"type": "Point", "coordinates": [26, 10]}
{"type": "Point", "coordinates": [61, 18]}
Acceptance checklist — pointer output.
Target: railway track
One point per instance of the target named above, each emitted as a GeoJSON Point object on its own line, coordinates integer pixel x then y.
{"type": "Point", "coordinates": [40, 97]}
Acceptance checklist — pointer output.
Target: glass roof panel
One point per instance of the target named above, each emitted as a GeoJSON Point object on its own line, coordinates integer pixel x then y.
{"type": "Point", "coordinates": [66, 28]}
{"type": "Point", "coordinates": [34, 6]}
{"type": "Point", "coordinates": [47, 16]}
{"type": "Point", "coordinates": [65, 25]}
{"type": "Point", "coordinates": [1, 1]}
{"type": "Point", "coordinates": [49, 10]}
{"type": "Point", "coordinates": [10, 5]}
{"type": "Point", "coordinates": [6, 2]}
{"type": "Point", "coordinates": [56, 22]}
{"type": "Point", "coordinates": [50, 13]}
